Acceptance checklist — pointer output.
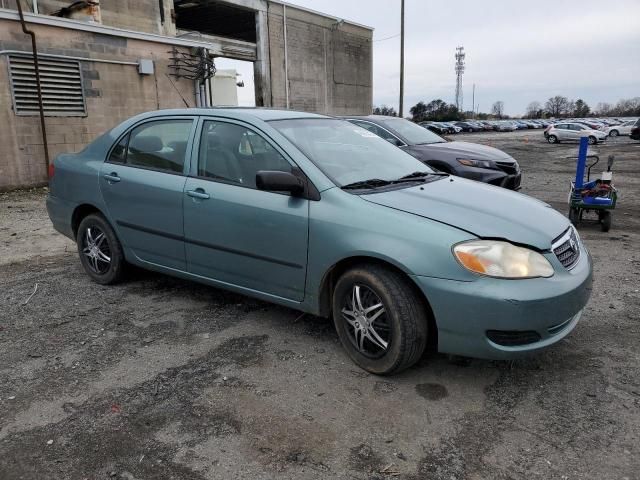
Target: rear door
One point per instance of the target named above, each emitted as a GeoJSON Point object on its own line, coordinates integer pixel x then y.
{"type": "Point", "coordinates": [142, 183]}
{"type": "Point", "coordinates": [235, 233]}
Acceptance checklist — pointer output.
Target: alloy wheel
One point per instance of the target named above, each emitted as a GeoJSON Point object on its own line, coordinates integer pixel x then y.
{"type": "Point", "coordinates": [95, 247]}
{"type": "Point", "coordinates": [368, 326]}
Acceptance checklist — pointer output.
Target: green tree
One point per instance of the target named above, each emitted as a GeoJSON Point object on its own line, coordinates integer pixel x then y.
{"type": "Point", "coordinates": [384, 110]}
{"type": "Point", "coordinates": [581, 109]}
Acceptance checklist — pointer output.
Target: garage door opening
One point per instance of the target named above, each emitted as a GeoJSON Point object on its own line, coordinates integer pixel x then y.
{"type": "Point", "coordinates": [213, 17]}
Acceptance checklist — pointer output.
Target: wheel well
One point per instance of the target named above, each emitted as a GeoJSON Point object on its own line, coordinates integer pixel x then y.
{"type": "Point", "coordinates": [335, 272]}
{"type": "Point", "coordinates": [79, 213]}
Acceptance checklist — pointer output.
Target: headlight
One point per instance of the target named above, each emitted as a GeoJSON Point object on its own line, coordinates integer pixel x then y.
{"type": "Point", "coordinates": [475, 163]}
{"type": "Point", "coordinates": [501, 259]}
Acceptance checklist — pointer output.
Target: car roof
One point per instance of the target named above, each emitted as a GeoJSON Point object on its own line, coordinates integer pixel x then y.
{"type": "Point", "coordinates": [260, 113]}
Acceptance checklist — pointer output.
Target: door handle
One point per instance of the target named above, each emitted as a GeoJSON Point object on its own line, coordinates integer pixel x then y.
{"type": "Point", "coordinates": [111, 177]}
{"type": "Point", "coordinates": [198, 193]}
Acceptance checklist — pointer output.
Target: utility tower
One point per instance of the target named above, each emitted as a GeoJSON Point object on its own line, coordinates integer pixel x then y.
{"type": "Point", "coordinates": [459, 71]}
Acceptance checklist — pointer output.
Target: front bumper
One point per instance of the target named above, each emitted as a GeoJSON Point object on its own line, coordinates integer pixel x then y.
{"type": "Point", "coordinates": [466, 311]}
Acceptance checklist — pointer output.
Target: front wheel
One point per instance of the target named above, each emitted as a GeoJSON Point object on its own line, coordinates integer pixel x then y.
{"type": "Point", "coordinates": [592, 140]}
{"type": "Point", "coordinates": [552, 139]}
{"type": "Point", "coordinates": [100, 251]}
{"type": "Point", "coordinates": [574, 215]}
{"type": "Point", "coordinates": [380, 319]}
{"type": "Point", "coordinates": [614, 133]}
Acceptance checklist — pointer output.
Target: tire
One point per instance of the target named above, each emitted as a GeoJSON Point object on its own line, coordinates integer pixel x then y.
{"type": "Point", "coordinates": [605, 221]}
{"type": "Point", "coordinates": [552, 139]}
{"type": "Point", "coordinates": [574, 216]}
{"type": "Point", "coordinates": [99, 250]}
{"type": "Point", "coordinates": [395, 334]}
{"type": "Point", "coordinates": [614, 133]}
{"type": "Point", "coordinates": [470, 130]}
{"type": "Point", "coordinates": [592, 140]}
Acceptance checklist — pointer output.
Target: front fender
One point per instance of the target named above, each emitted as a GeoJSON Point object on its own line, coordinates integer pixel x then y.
{"type": "Point", "coordinates": [343, 226]}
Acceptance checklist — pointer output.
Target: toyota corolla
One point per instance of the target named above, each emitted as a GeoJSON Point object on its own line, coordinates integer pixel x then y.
{"type": "Point", "coordinates": [321, 215]}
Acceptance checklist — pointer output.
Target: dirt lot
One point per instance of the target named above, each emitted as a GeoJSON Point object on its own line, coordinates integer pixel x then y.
{"type": "Point", "coordinates": [160, 378]}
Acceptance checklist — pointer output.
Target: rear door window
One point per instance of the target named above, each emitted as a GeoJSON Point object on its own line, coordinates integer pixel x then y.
{"type": "Point", "coordinates": [158, 145]}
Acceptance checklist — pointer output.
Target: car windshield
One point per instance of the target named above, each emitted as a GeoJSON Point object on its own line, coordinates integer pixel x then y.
{"type": "Point", "coordinates": [347, 153]}
{"type": "Point", "coordinates": [414, 134]}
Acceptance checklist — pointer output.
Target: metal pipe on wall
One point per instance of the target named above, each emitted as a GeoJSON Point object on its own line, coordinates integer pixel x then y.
{"type": "Point", "coordinates": [34, 48]}
{"type": "Point", "coordinates": [286, 60]}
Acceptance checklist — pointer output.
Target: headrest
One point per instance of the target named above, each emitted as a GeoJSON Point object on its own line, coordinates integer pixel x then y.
{"type": "Point", "coordinates": [146, 143]}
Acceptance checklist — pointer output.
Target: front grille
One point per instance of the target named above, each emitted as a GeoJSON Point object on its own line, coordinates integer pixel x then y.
{"type": "Point", "coordinates": [508, 167]}
{"type": "Point", "coordinates": [513, 338]}
{"type": "Point", "coordinates": [567, 248]}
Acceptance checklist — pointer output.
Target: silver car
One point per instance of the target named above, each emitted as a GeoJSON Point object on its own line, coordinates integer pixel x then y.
{"type": "Point", "coordinates": [568, 131]}
{"type": "Point", "coordinates": [620, 129]}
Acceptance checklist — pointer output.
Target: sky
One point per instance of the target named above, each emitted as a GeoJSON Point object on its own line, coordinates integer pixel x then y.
{"type": "Point", "coordinates": [517, 51]}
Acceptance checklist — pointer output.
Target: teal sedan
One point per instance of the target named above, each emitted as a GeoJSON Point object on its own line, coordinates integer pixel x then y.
{"type": "Point", "coordinates": [323, 216]}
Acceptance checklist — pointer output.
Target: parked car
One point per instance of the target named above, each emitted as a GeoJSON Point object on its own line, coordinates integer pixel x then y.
{"type": "Point", "coordinates": [567, 131]}
{"type": "Point", "coordinates": [468, 127]}
{"type": "Point", "coordinates": [434, 127]}
{"type": "Point", "coordinates": [622, 129]}
{"type": "Point", "coordinates": [635, 131]}
{"type": "Point", "coordinates": [468, 160]}
{"type": "Point", "coordinates": [452, 128]}
{"type": "Point", "coordinates": [320, 215]}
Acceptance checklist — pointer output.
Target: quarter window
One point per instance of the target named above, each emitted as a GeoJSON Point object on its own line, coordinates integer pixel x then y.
{"type": "Point", "coordinates": [235, 154]}
{"type": "Point", "coordinates": [159, 145]}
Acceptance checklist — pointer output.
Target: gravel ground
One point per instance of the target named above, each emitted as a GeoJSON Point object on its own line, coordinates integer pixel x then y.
{"type": "Point", "coordinates": [160, 378]}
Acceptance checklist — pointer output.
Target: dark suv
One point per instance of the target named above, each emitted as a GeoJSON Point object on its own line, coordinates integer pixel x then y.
{"type": "Point", "coordinates": [635, 131]}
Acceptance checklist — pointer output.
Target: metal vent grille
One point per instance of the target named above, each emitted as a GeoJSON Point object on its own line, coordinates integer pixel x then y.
{"type": "Point", "coordinates": [61, 80]}
{"type": "Point", "coordinates": [567, 248]}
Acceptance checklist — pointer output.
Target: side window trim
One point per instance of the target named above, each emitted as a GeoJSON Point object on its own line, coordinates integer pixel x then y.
{"type": "Point", "coordinates": [195, 154]}
{"type": "Point", "coordinates": [312, 191]}
{"type": "Point", "coordinates": [188, 152]}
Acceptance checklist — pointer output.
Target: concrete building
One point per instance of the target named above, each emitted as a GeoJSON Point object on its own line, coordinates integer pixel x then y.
{"type": "Point", "coordinates": [102, 63]}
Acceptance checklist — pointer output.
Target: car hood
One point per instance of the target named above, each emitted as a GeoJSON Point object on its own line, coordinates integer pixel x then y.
{"type": "Point", "coordinates": [483, 210]}
{"type": "Point", "coordinates": [464, 150]}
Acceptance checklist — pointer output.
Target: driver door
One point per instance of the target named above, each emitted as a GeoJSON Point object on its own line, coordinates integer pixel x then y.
{"type": "Point", "coordinates": [235, 233]}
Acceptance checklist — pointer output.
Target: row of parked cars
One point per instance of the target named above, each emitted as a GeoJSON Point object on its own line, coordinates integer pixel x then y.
{"type": "Point", "coordinates": [612, 127]}
{"type": "Point", "coordinates": [595, 131]}
{"type": "Point", "coordinates": [471, 126]}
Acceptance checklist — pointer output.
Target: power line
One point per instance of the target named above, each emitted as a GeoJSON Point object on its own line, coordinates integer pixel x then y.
{"type": "Point", "coordinates": [387, 38]}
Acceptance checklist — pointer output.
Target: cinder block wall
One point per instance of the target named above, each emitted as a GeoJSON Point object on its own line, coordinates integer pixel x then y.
{"type": "Point", "coordinates": [330, 65]}
{"type": "Point", "coordinates": [137, 15]}
{"type": "Point", "coordinates": [113, 93]}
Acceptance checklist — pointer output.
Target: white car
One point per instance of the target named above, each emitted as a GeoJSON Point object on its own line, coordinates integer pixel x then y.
{"type": "Point", "coordinates": [622, 129]}
{"type": "Point", "coordinates": [568, 131]}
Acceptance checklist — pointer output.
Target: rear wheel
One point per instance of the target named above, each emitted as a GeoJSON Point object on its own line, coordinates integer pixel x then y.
{"type": "Point", "coordinates": [381, 321]}
{"type": "Point", "coordinates": [605, 220]}
{"type": "Point", "coordinates": [592, 140]}
{"type": "Point", "coordinates": [614, 133]}
{"type": "Point", "coordinates": [100, 251]}
{"type": "Point", "coordinates": [552, 139]}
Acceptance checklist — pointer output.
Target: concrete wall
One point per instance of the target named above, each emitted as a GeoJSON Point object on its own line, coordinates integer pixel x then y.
{"type": "Point", "coordinates": [138, 15]}
{"type": "Point", "coordinates": [113, 93]}
{"type": "Point", "coordinates": [329, 64]}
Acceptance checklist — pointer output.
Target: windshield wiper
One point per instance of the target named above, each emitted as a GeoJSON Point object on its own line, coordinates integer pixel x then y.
{"type": "Point", "coordinates": [419, 175]}
{"type": "Point", "coordinates": [371, 183]}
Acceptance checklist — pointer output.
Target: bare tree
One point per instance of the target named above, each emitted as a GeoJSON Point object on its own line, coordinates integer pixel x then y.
{"type": "Point", "coordinates": [604, 108]}
{"type": "Point", "coordinates": [557, 106]}
{"type": "Point", "coordinates": [498, 109]}
{"type": "Point", "coordinates": [534, 109]}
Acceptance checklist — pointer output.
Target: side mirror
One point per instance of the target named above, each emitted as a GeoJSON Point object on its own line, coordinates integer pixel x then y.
{"type": "Point", "coordinates": [276, 181]}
